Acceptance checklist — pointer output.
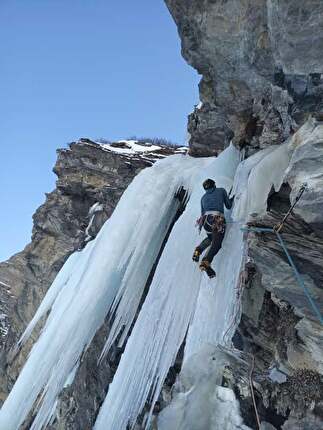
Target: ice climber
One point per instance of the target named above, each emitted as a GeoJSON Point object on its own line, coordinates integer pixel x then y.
{"type": "Point", "coordinates": [213, 221]}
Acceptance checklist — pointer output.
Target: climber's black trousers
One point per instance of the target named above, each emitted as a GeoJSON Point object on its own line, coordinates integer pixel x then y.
{"type": "Point", "coordinates": [214, 241]}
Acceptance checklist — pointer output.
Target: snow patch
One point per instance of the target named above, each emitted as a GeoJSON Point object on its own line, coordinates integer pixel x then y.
{"type": "Point", "coordinates": [130, 147]}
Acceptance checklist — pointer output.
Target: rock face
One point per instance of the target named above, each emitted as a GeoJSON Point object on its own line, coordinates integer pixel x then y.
{"type": "Point", "coordinates": [279, 327]}
{"type": "Point", "coordinates": [261, 79]}
{"type": "Point", "coordinates": [260, 65]}
{"type": "Point", "coordinates": [91, 180]}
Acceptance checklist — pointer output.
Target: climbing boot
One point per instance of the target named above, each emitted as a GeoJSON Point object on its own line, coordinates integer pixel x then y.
{"type": "Point", "coordinates": [196, 255]}
{"type": "Point", "coordinates": [205, 266]}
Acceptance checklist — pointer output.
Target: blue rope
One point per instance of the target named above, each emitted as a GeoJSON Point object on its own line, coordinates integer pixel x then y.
{"type": "Point", "coordinates": [291, 262]}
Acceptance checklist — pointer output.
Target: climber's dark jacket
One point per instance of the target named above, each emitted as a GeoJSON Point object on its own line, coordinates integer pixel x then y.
{"type": "Point", "coordinates": [215, 199]}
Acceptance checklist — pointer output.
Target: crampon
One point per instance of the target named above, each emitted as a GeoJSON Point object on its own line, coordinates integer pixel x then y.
{"type": "Point", "coordinates": [205, 266]}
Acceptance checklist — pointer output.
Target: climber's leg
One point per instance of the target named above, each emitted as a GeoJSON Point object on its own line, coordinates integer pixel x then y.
{"type": "Point", "coordinates": [202, 247]}
{"type": "Point", "coordinates": [216, 243]}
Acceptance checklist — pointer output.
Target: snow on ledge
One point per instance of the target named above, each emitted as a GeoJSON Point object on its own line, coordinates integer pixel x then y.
{"type": "Point", "coordinates": [134, 148]}
{"type": "Point", "coordinates": [131, 147]}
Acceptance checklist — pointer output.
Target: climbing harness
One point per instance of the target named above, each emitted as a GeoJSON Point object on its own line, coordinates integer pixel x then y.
{"type": "Point", "coordinates": [212, 221]}
{"type": "Point", "coordinates": [277, 228]}
{"type": "Point", "coordinates": [219, 223]}
{"type": "Point", "coordinates": [215, 223]}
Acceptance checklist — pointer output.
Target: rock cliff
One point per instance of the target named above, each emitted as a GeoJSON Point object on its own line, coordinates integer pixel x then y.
{"type": "Point", "coordinates": [279, 326]}
{"type": "Point", "coordinates": [261, 80]}
{"type": "Point", "coordinates": [260, 64]}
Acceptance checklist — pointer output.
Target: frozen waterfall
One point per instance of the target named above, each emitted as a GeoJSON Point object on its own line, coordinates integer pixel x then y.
{"type": "Point", "coordinates": [183, 301]}
{"type": "Point", "coordinates": [110, 274]}
{"type": "Point", "coordinates": [119, 259]}
{"type": "Point", "coordinates": [167, 311]}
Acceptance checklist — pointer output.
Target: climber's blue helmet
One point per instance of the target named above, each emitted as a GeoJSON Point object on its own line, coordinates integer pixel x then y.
{"type": "Point", "coordinates": [208, 184]}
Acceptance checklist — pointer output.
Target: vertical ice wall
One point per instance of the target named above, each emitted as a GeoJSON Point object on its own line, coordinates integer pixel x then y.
{"type": "Point", "coordinates": [112, 271]}
{"type": "Point", "coordinates": [198, 401]}
{"type": "Point", "coordinates": [216, 307]}
{"type": "Point", "coordinates": [214, 319]}
{"type": "Point", "coordinates": [181, 297]}
{"type": "Point", "coordinates": [82, 294]}
{"type": "Point", "coordinates": [165, 316]}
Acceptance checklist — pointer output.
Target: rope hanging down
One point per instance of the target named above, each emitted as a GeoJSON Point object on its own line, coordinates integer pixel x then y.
{"type": "Point", "coordinates": [276, 230]}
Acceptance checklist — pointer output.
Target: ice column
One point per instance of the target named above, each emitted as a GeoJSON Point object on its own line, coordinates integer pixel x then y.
{"type": "Point", "coordinates": [84, 290]}
{"type": "Point", "coordinates": [164, 318]}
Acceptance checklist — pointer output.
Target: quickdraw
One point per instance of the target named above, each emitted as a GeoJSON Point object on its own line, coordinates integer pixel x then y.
{"type": "Point", "coordinates": [277, 228]}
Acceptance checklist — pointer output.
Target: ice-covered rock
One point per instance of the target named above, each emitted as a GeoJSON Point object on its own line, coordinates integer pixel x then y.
{"type": "Point", "coordinates": [306, 168]}
{"type": "Point", "coordinates": [199, 402]}
{"type": "Point", "coordinates": [278, 322]}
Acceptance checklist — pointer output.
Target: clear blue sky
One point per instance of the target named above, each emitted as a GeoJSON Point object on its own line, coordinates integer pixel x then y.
{"type": "Point", "coordinates": [76, 68]}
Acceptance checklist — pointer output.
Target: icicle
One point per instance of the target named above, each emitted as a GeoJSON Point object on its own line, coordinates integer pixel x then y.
{"type": "Point", "coordinates": [256, 176]}
{"type": "Point", "coordinates": [65, 275]}
{"type": "Point", "coordinates": [97, 207]}
{"type": "Point", "coordinates": [199, 402]}
{"type": "Point", "coordinates": [111, 272]}
{"type": "Point", "coordinates": [163, 321]}
{"type": "Point", "coordinates": [128, 297]}
{"type": "Point", "coordinates": [240, 186]}
{"type": "Point", "coordinates": [83, 292]}
{"type": "Point", "coordinates": [175, 295]}
{"type": "Point", "coordinates": [268, 173]}
{"type": "Point", "coordinates": [218, 310]}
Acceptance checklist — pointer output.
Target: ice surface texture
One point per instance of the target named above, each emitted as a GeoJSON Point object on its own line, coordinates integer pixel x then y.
{"type": "Point", "coordinates": [167, 311]}
{"type": "Point", "coordinates": [182, 299]}
{"type": "Point", "coordinates": [110, 275]}
{"type": "Point", "coordinates": [83, 292]}
{"type": "Point", "coordinates": [201, 403]}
